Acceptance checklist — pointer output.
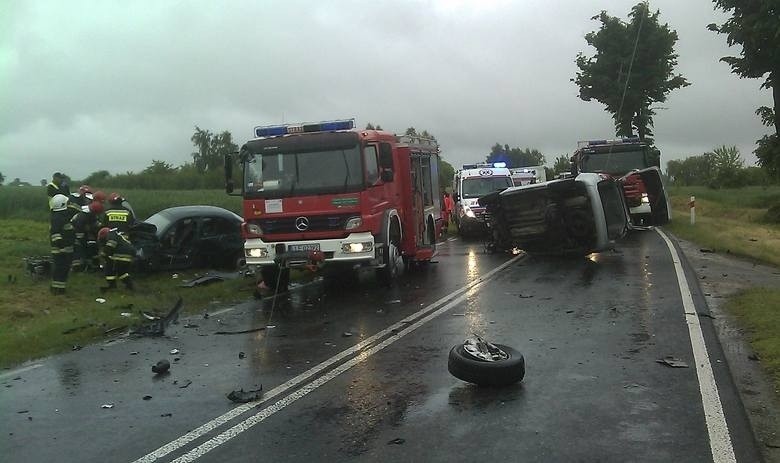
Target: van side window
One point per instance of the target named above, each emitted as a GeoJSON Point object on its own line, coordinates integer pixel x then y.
{"type": "Point", "coordinates": [372, 168]}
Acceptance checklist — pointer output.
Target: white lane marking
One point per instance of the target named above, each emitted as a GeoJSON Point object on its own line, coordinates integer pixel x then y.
{"type": "Point", "coordinates": [241, 409]}
{"type": "Point", "coordinates": [21, 370]}
{"type": "Point", "coordinates": [720, 439]}
{"type": "Point", "coordinates": [260, 416]}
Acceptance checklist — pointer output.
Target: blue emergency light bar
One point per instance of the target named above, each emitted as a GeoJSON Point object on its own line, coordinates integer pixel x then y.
{"type": "Point", "coordinates": [483, 164]}
{"type": "Point", "coordinates": [325, 126]}
{"type": "Point", "coordinates": [617, 141]}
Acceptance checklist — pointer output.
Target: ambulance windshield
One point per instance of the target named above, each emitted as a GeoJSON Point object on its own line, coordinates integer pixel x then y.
{"type": "Point", "coordinates": [480, 186]}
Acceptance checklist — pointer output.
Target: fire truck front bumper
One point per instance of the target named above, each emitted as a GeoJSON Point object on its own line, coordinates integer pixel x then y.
{"type": "Point", "coordinates": [357, 248]}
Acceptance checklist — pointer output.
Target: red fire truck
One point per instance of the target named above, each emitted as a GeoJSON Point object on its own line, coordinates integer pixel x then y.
{"type": "Point", "coordinates": [326, 195]}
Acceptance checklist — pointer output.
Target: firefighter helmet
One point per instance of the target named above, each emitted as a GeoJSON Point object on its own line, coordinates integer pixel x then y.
{"type": "Point", "coordinates": [96, 207]}
{"type": "Point", "coordinates": [103, 234]}
{"type": "Point", "coordinates": [58, 203]}
{"type": "Point", "coordinates": [115, 198]}
{"type": "Point", "coordinates": [99, 196]}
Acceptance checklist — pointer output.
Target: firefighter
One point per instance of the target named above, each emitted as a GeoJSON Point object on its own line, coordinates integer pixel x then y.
{"type": "Point", "coordinates": [62, 237]}
{"type": "Point", "coordinates": [85, 226]}
{"type": "Point", "coordinates": [57, 186]}
{"type": "Point", "coordinates": [117, 254]}
{"type": "Point", "coordinates": [118, 215]}
{"type": "Point", "coordinates": [82, 197]}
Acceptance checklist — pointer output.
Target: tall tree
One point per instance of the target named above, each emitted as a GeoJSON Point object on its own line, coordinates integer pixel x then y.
{"type": "Point", "coordinates": [755, 26]}
{"type": "Point", "coordinates": [211, 148]}
{"type": "Point", "coordinates": [2, 179]}
{"type": "Point", "coordinates": [632, 69]}
{"type": "Point", "coordinates": [446, 173]}
{"type": "Point", "coordinates": [515, 157]}
{"type": "Point", "coordinates": [562, 164]}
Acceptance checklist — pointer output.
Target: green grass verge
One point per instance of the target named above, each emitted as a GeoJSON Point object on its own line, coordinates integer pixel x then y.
{"type": "Point", "coordinates": [758, 310]}
{"type": "Point", "coordinates": [729, 221]}
{"type": "Point", "coordinates": [33, 323]}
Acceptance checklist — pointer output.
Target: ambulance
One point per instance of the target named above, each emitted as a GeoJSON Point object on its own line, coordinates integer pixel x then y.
{"type": "Point", "coordinates": [471, 182]}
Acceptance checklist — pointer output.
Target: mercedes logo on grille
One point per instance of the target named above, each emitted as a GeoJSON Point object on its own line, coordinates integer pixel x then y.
{"type": "Point", "coordinates": [302, 223]}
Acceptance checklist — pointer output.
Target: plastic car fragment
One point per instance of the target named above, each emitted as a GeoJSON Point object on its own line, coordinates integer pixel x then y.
{"type": "Point", "coordinates": [242, 396]}
{"type": "Point", "coordinates": [155, 326]}
{"type": "Point", "coordinates": [201, 281]}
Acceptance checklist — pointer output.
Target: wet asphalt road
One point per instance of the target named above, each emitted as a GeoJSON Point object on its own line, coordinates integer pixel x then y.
{"type": "Point", "coordinates": [358, 372]}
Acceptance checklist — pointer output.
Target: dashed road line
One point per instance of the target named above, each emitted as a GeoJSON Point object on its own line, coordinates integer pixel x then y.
{"type": "Point", "coordinates": [392, 331]}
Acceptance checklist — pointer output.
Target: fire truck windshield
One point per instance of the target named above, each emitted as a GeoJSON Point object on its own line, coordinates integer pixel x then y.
{"type": "Point", "coordinates": [280, 175]}
{"type": "Point", "coordinates": [480, 186]}
{"type": "Point", "coordinates": [616, 162]}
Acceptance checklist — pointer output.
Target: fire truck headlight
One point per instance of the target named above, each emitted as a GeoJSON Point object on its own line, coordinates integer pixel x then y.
{"type": "Point", "coordinates": [353, 222]}
{"type": "Point", "coordinates": [469, 213]}
{"type": "Point", "coordinates": [645, 199]}
{"type": "Point", "coordinates": [351, 248]}
{"type": "Point", "coordinates": [257, 252]}
{"type": "Point", "coordinates": [254, 229]}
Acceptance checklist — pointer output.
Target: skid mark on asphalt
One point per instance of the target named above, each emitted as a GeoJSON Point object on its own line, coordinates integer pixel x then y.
{"type": "Point", "coordinates": [395, 332]}
{"type": "Point", "coordinates": [717, 428]}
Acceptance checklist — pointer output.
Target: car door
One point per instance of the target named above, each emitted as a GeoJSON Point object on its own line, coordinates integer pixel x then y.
{"type": "Point", "coordinates": [219, 241]}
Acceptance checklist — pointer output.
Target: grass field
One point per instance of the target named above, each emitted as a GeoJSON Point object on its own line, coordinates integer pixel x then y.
{"type": "Point", "coordinates": [33, 322]}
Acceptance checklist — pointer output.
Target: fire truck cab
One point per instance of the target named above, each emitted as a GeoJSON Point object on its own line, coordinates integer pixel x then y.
{"type": "Point", "coordinates": [471, 182]}
{"type": "Point", "coordinates": [325, 195]}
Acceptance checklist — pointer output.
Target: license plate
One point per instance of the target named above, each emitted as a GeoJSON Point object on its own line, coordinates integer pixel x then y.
{"type": "Point", "coordinates": [303, 247]}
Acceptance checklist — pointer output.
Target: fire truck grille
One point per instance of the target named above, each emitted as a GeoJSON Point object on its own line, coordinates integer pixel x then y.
{"type": "Point", "coordinates": [317, 223]}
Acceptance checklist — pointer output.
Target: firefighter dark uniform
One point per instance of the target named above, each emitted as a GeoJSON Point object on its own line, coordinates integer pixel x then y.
{"type": "Point", "coordinates": [85, 226]}
{"type": "Point", "coordinates": [62, 238]}
{"type": "Point", "coordinates": [117, 253]}
{"type": "Point", "coordinates": [57, 186]}
{"type": "Point", "coordinates": [117, 215]}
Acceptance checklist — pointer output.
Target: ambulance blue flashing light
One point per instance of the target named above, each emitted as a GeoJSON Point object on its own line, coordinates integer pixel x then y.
{"type": "Point", "coordinates": [325, 126]}
{"type": "Point", "coordinates": [483, 164]}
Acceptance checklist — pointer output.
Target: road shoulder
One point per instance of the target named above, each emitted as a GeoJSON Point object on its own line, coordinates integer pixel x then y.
{"type": "Point", "coordinates": [719, 277]}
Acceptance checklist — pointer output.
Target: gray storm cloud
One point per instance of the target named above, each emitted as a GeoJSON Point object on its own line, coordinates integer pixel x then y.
{"type": "Point", "coordinates": [108, 85]}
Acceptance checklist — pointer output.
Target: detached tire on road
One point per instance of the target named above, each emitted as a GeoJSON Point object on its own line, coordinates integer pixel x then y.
{"type": "Point", "coordinates": [483, 373]}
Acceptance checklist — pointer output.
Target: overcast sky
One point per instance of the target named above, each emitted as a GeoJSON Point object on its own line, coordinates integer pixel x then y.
{"type": "Point", "coordinates": [87, 86]}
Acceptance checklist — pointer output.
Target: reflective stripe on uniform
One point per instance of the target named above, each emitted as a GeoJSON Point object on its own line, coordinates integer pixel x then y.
{"type": "Point", "coordinates": [124, 275]}
{"type": "Point", "coordinates": [110, 277]}
{"type": "Point", "coordinates": [57, 284]}
{"type": "Point", "coordinates": [121, 257]}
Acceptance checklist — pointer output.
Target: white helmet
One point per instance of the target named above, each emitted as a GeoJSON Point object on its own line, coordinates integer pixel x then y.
{"type": "Point", "coordinates": [58, 203]}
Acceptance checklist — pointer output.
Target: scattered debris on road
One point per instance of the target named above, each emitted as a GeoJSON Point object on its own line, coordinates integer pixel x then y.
{"type": "Point", "coordinates": [174, 351]}
{"type": "Point", "coordinates": [100, 300]}
{"type": "Point", "coordinates": [166, 415]}
{"type": "Point", "coordinates": [109, 405]}
{"type": "Point", "coordinates": [672, 362]}
{"type": "Point", "coordinates": [156, 327]}
{"type": "Point", "coordinates": [77, 347]}
{"type": "Point", "coordinates": [161, 367]}
{"type": "Point", "coordinates": [706, 250]}
{"type": "Point", "coordinates": [396, 441]}
{"type": "Point", "coordinates": [201, 281]}
{"type": "Point", "coordinates": [147, 397]}
{"type": "Point", "coordinates": [251, 330]}
{"type": "Point", "coordinates": [185, 385]}
{"type": "Point", "coordinates": [346, 334]}
{"type": "Point", "coordinates": [241, 355]}
{"type": "Point", "coordinates": [242, 396]}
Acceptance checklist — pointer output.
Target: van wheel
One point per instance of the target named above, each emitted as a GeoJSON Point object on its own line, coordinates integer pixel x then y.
{"type": "Point", "coordinates": [483, 373]}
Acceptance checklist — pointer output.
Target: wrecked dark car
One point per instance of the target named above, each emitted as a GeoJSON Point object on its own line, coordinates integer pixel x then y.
{"type": "Point", "coordinates": [188, 236]}
{"type": "Point", "coordinates": [579, 215]}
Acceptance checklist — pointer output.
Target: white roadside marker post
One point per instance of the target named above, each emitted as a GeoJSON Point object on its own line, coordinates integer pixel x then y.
{"type": "Point", "coordinates": [692, 204]}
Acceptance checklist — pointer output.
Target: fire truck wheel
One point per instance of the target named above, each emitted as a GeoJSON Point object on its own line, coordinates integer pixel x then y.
{"type": "Point", "coordinates": [483, 373]}
{"type": "Point", "coordinates": [387, 274]}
